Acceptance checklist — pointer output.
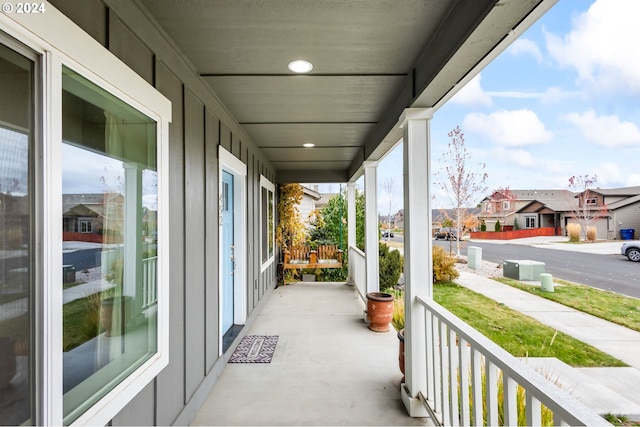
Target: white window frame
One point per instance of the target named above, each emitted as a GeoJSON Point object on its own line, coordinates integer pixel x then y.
{"type": "Point", "coordinates": [529, 218]}
{"type": "Point", "coordinates": [88, 229]}
{"type": "Point", "coordinates": [78, 51]}
{"type": "Point", "coordinates": [487, 206]}
{"type": "Point", "coordinates": [591, 201]}
{"type": "Point", "coordinates": [265, 183]}
{"type": "Point", "coordinates": [506, 205]}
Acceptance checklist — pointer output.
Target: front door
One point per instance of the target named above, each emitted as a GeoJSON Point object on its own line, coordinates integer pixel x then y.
{"type": "Point", "coordinates": [228, 260]}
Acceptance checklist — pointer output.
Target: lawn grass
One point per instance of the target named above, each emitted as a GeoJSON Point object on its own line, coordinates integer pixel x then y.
{"type": "Point", "coordinates": [517, 333]}
{"type": "Point", "coordinates": [606, 305]}
{"type": "Point", "coordinates": [80, 321]}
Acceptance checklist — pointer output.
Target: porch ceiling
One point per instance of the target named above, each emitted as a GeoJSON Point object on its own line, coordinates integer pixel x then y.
{"type": "Point", "coordinates": [371, 59]}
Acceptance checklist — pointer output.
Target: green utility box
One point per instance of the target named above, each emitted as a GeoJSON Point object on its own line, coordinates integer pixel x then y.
{"type": "Point", "coordinates": [523, 269]}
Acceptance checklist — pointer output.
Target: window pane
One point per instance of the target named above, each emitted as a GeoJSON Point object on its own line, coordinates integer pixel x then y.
{"type": "Point", "coordinates": [109, 220]}
{"type": "Point", "coordinates": [16, 257]}
{"type": "Point", "coordinates": [270, 225]}
{"type": "Point", "coordinates": [265, 227]}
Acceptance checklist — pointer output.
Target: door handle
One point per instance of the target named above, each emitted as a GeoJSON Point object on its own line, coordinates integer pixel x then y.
{"type": "Point", "coordinates": [233, 259]}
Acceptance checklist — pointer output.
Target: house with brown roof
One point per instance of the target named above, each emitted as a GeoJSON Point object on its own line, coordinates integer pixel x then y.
{"type": "Point", "coordinates": [615, 208]}
{"type": "Point", "coordinates": [527, 208]}
{"type": "Point", "coordinates": [612, 209]}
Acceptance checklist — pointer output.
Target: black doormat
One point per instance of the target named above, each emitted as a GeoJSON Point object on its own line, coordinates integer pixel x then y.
{"type": "Point", "coordinates": [255, 349]}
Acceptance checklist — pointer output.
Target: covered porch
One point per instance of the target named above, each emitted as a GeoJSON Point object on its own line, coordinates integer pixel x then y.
{"type": "Point", "coordinates": [328, 368]}
{"type": "Point", "coordinates": [237, 120]}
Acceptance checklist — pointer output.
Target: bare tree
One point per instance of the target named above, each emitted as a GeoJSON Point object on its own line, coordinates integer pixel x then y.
{"type": "Point", "coordinates": [460, 180]}
{"type": "Point", "coordinates": [590, 207]}
{"type": "Point", "coordinates": [389, 186]}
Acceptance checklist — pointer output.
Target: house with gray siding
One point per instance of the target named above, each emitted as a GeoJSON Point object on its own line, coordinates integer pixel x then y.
{"type": "Point", "coordinates": [188, 109]}
{"type": "Point", "coordinates": [614, 209]}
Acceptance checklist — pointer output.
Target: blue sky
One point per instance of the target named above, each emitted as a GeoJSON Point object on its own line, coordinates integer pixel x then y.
{"type": "Point", "coordinates": [562, 100]}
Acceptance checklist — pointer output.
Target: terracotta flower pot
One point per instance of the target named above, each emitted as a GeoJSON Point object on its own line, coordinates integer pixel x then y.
{"type": "Point", "coordinates": [379, 311]}
{"type": "Point", "coordinates": [106, 314]}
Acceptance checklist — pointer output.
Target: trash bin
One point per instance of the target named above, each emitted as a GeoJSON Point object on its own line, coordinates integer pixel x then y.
{"type": "Point", "coordinates": [626, 233]}
{"type": "Point", "coordinates": [68, 273]}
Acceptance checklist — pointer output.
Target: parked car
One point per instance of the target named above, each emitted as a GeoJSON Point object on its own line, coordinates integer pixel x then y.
{"type": "Point", "coordinates": [387, 233]}
{"type": "Point", "coordinates": [631, 250]}
{"type": "Point", "coordinates": [446, 233]}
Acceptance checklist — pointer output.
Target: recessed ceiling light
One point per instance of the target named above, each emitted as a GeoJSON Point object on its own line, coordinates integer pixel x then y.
{"type": "Point", "coordinates": [300, 66]}
{"type": "Point", "coordinates": [308, 145]}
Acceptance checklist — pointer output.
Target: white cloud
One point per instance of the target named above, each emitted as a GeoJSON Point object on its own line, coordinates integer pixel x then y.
{"type": "Point", "coordinates": [516, 94]}
{"type": "Point", "coordinates": [606, 131]}
{"type": "Point", "coordinates": [472, 94]}
{"type": "Point", "coordinates": [633, 180]}
{"type": "Point", "coordinates": [602, 46]}
{"type": "Point", "coordinates": [609, 175]}
{"type": "Point", "coordinates": [525, 47]}
{"type": "Point", "coordinates": [519, 158]}
{"type": "Point", "coordinates": [514, 128]}
{"type": "Point", "coordinates": [554, 95]}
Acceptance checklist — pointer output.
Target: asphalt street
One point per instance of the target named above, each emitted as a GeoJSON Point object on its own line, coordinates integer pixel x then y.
{"type": "Point", "coordinates": [612, 272]}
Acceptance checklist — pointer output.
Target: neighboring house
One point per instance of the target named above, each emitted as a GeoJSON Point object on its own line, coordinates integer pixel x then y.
{"type": "Point", "coordinates": [308, 203]}
{"type": "Point", "coordinates": [527, 208]}
{"type": "Point", "coordinates": [615, 209]}
{"type": "Point", "coordinates": [94, 213]}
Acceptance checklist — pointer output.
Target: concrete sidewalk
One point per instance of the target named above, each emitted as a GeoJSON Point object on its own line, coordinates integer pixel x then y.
{"type": "Point", "coordinates": [618, 341]}
{"type": "Point", "coordinates": [560, 243]}
{"type": "Point", "coordinates": [622, 392]}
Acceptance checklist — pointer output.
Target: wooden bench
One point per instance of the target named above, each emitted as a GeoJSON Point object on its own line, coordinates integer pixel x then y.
{"type": "Point", "coordinates": [325, 256]}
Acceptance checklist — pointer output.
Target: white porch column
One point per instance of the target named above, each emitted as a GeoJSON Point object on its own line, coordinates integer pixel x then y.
{"type": "Point", "coordinates": [351, 223]}
{"type": "Point", "coordinates": [418, 270]}
{"type": "Point", "coordinates": [371, 237]}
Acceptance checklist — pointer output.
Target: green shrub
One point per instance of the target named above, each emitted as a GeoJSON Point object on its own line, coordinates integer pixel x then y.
{"type": "Point", "coordinates": [498, 226]}
{"type": "Point", "coordinates": [444, 269]}
{"type": "Point", "coordinates": [390, 267]}
{"type": "Point", "coordinates": [334, 274]}
{"type": "Point", "coordinates": [483, 226]}
{"type": "Point", "coordinates": [516, 226]}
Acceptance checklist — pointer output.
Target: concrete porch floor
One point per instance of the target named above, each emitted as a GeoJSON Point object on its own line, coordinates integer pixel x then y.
{"type": "Point", "coordinates": [328, 367]}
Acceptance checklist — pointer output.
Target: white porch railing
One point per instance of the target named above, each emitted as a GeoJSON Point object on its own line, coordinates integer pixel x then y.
{"type": "Point", "coordinates": [462, 363]}
{"type": "Point", "coordinates": [358, 263]}
{"type": "Point", "coordinates": [149, 282]}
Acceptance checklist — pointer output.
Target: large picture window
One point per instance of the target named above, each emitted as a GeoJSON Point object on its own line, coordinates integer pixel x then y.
{"type": "Point", "coordinates": [109, 221]}
{"type": "Point", "coordinates": [267, 218]}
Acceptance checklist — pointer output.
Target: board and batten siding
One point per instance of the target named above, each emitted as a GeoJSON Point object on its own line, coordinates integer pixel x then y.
{"type": "Point", "coordinates": [200, 123]}
{"type": "Point", "coordinates": [628, 217]}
